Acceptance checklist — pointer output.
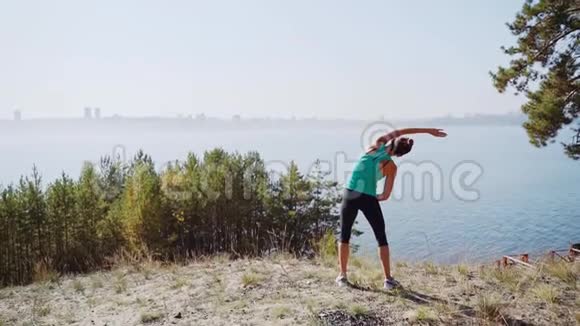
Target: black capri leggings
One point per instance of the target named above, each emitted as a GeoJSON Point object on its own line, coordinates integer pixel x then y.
{"type": "Point", "coordinates": [354, 201]}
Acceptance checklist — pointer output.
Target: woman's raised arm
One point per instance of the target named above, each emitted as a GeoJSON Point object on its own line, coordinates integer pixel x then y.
{"type": "Point", "coordinates": [409, 131]}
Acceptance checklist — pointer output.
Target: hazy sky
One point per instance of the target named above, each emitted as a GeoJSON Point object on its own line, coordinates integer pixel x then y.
{"type": "Point", "coordinates": [351, 59]}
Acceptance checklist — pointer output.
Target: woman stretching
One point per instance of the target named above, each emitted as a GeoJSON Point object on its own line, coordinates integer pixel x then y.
{"type": "Point", "coordinates": [361, 194]}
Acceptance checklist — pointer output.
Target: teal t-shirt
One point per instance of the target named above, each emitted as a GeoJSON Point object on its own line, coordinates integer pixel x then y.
{"type": "Point", "coordinates": [367, 172]}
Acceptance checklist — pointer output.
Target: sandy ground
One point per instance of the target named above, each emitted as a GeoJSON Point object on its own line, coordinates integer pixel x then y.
{"type": "Point", "coordinates": [283, 290]}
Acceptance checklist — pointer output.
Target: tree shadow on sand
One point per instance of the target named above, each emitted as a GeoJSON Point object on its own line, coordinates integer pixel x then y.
{"type": "Point", "coordinates": [424, 299]}
{"type": "Point", "coordinates": [418, 298]}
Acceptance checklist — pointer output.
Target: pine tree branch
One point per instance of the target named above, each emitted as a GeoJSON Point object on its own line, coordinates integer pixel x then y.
{"type": "Point", "coordinates": [577, 9]}
{"type": "Point", "coordinates": [550, 44]}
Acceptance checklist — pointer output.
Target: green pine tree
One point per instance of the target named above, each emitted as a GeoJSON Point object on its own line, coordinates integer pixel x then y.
{"type": "Point", "coordinates": [544, 66]}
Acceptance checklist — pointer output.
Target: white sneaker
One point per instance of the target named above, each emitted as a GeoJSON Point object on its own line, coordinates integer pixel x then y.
{"type": "Point", "coordinates": [391, 284]}
{"type": "Point", "coordinates": [341, 280]}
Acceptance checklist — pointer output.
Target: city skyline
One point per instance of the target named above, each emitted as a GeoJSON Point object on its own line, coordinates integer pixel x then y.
{"type": "Point", "coordinates": [96, 113]}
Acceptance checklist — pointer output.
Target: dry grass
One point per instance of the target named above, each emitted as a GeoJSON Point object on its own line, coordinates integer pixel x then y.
{"type": "Point", "coordinates": [278, 291]}
{"type": "Point", "coordinates": [426, 315]}
{"type": "Point", "coordinates": [510, 277]}
{"type": "Point", "coordinates": [148, 272]}
{"type": "Point", "coordinates": [222, 258]}
{"type": "Point", "coordinates": [280, 312]}
{"type": "Point", "coordinates": [563, 271]}
{"type": "Point", "coordinates": [488, 307]}
{"type": "Point", "coordinates": [140, 301]}
{"type": "Point", "coordinates": [310, 275]}
{"type": "Point", "coordinates": [78, 286]}
{"type": "Point", "coordinates": [120, 285]}
{"type": "Point", "coordinates": [41, 309]}
{"type": "Point", "coordinates": [366, 279]}
{"type": "Point", "coordinates": [43, 272]}
{"type": "Point", "coordinates": [431, 268]}
{"type": "Point", "coordinates": [96, 282]}
{"type": "Point", "coordinates": [92, 302]}
{"type": "Point", "coordinates": [365, 274]}
{"type": "Point", "coordinates": [506, 276]}
{"type": "Point", "coordinates": [401, 264]}
{"type": "Point", "coordinates": [251, 279]}
{"type": "Point", "coordinates": [151, 317]}
{"type": "Point", "coordinates": [463, 270]}
{"type": "Point", "coordinates": [358, 262]}
{"type": "Point", "coordinates": [358, 310]}
{"type": "Point", "coordinates": [546, 292]}
{"type": "Point", "coordinates": [178, 283]}
{"type": "Point", "coordinates": [444, 308]}
{"type": "Point", "coordinates": [6, 294]}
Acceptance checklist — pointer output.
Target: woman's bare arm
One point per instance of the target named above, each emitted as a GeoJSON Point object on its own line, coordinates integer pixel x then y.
{"type": "Point", "coordinates": [389, 170]}
{"type": "Point", "coordinates": [409, 131]}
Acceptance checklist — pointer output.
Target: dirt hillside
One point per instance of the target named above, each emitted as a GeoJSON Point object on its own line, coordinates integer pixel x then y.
{"type": "Point", "coordinates": [283, 290]}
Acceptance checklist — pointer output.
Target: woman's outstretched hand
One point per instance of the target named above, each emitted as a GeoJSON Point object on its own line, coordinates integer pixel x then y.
{"type": "Point", "coordinates": [437, 132]}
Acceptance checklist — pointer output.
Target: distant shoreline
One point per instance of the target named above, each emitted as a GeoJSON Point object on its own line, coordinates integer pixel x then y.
{"type": "Point", "coordinates": [511, 119]}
